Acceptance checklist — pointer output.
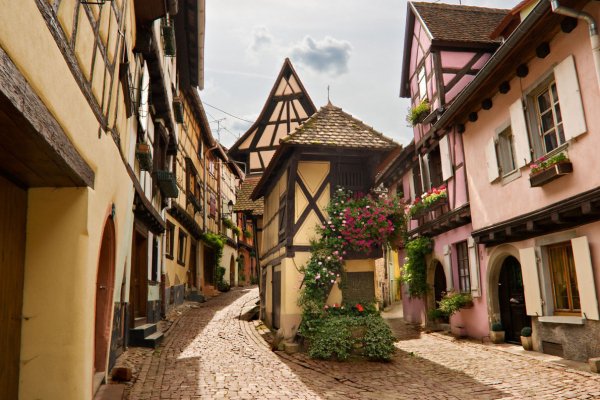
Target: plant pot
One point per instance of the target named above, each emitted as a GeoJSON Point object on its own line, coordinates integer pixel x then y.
{"type": "Point", "coordinates": [551, 173]}
{"type": "Point", "coordinates": [497, 336]}
{"type": "Point", "coordinates": [527, 342]}
{"type": "Point", "coordinates": [144, 156]}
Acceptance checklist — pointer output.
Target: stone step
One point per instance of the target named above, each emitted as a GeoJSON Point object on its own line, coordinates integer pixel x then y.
{"type": "Point", "coordinates": [154, 340]}
{"type": "Point", "coordinates": [145, 336]}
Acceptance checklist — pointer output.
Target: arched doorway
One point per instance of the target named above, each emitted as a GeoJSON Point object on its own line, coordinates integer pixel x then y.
{"type": "Point", "coordinates": [104, 294]}
{"type": "Point", "coordinates": [232, 271]}
{"type": "Point", "coordinates": [511, 299]}
{"type": "Point", "coordinates": [439, 282]}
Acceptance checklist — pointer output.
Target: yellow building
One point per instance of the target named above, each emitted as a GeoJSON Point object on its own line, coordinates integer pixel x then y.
{"type": "Point", "coordinates": [81, 214]}
{"type": "Point", "coordinates": [330, 149]}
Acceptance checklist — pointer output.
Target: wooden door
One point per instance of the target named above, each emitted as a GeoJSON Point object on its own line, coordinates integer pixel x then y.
{"type": "Point", "coordinates": [232, 267]}
{"type": "Point", "coordinates": [104, 294]}
{"type": "Point", "coordinates": [13, 214]}
{"type": "Point", "coordinates": [139, 278]}
{"type": "Point", "coordinates": [511, 297]}
{"type": "Point", "coordinates": [193, 271]}
{"type": "Point", "coordinates": [276, 288]}
{"type": "Point", "coordinates": [209, 266]}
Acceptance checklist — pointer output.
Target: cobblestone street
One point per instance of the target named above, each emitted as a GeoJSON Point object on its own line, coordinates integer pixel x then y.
{"type": "Point", "coordinates": [210, 353]}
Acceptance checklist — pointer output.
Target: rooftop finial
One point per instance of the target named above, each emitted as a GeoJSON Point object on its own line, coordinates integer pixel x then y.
{"type": "Point", "coordinates": [328, 100]}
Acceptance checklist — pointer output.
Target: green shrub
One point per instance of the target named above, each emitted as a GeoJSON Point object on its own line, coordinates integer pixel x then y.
{"type": "Point", "coordinates": [436, 313]}
{"type": "Point", "coordinates": [526, 331]}
{"type": "Point", "coordinates": [497, 327]}
{"type": "Point", "coordinates": [453, 302]}
{"type": "Point", "coordinates": [222, 285]}
{"type": "Point", "coordinates": [414, 270]}
{"type": "Point", "coordinates": [378, 341]}
{"type": "Point", "coordinates": [332, 339]}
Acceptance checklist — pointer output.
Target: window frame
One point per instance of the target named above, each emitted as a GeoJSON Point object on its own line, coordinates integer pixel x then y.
{"type": "Point", "coordinates": [500, 150]}
{"type": "Point", "coordinates": [169, 240]}
{"type": "Point", "coordinates": [181, 247]}
{"type": "Point", "coordinates": [422, 79]}
{"type": "Point", "coordinates": [567, 269]}
{"type": "Point", "coordinates": [463, 266]}
{"type": "Point", "coordinates": [533, 116]}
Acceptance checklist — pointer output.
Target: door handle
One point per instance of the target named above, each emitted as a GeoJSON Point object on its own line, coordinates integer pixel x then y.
{"type": "Point", "coordinates": [102, 287]}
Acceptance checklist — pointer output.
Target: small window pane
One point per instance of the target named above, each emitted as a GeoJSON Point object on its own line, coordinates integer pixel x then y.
{"type": "Point", "coordinates": [544, 101]}
{"type": "Point", "coordinates": [550, 141]}
{"type": "Point", "coordinates": [547, 121]}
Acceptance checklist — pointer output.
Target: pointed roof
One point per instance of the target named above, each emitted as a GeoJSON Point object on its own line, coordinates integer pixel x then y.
{"type": "Point", "coordinates": [458, 23]}
{"type": "Point", "coordinates": [280, 89]}
{"type": "Point", "coordinates": [244, 203]}
{"type": "Point", "coordinates": [329, 128]}
{"type": "Point", "coordinates": [332, 127]}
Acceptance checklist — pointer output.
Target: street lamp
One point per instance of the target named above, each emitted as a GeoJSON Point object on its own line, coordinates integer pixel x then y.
{"type": "Point", "coordinates": [229, 209]}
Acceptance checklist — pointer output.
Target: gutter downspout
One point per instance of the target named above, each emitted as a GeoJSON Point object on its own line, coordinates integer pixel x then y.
{"type": "Point", "coordinates": [593, 28]}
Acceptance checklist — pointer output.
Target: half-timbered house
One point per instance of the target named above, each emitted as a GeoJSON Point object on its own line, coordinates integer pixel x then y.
{"type": "Point", "coordinates": [530, 133]}
{"type": "Point", "coordinates": [330, 149]}
{"type": "Point", "coordinates": [445, 47]}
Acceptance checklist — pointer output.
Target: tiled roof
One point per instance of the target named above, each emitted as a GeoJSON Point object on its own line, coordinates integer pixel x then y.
{"type": "Point", "coordinates": [330, 126]}
{"type": "Point", "coordinates": [458, 23]}
{"type": "Point", "coordinates": [243, 202]}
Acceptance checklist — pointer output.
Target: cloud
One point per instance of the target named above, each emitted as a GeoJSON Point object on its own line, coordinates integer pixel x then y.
{"type": "Point", "coordinates": [261, 39]}
{"type": "Point", "coordinates": [328, 55]}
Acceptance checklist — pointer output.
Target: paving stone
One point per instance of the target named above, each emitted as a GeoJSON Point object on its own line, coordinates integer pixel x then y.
{"type": "Point", "coordinates": [210, 353]}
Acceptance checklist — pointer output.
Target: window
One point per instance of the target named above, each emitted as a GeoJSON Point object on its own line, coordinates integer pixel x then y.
{"type": "Point", "coordinates": [435, 168]}
{"type": "Point", "coordinates": [505, 153]}
{"type": "Point", "coordinates": [181, 247]}
{"type": "Point", "coordinates": [564, 279]}
{"type": "Point", "coordinates": [169, 238]}
{"type": "Point", "coordinates": [417, 183]}
{"type": "Point", "coordinates": [422, 82]}
{"type": "Point", "coordinates": [282, 217]}
{"type": "Point", "coordinates": [155, 259]}
{"type": "Point", "coordinates": [211, 168]}
{"type": "Point", "coordinates": [549, 118]}
{"type": "Point", "coordinates": [464, 277]}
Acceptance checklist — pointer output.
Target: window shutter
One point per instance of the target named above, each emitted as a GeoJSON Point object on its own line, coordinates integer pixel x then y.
{"type": "Point", "coordinates": [473, 267]}
{"type": "Point", "coordinates": [518, 126]}
{"type": "Point", "coordinates": [448, 268]}
{"type": "Point", "coordinates": [425, 173]}
{"type": "Point", "coordinates": [569, 98]}
{"type": "Point", "coordinates": [447, 169]}
{"type": "Point", "coordinates": [585, 277]}
{"type": "Point", "coordinates": [491, 160]}
{"type": "Point", "coordinates": [531, 282]}
{"type": "Point", "coordinates": [411, 184]}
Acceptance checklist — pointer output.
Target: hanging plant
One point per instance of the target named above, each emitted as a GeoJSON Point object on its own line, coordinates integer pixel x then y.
{"type": "Point", "coordinates": [417, 113]}
{"type": "Point", "coordinates": [414, 272]}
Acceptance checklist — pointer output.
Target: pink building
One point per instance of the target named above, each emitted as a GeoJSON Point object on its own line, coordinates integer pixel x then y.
{"type": "Point", "coordinates": [445, 47]}
{"type": "Point", "coordinates": [535, 222]}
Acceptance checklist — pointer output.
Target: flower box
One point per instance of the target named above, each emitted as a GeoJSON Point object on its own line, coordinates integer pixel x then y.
{"type": "Point", "coordinates": [195, 202]}
{"type": "Point", "coordinates": [178, 110]}
{"type": "Point", "coordinates": [168, 34]}
{"type": "Point", "coordinates": [167, 184]}
{"type": "Point", "coordinates": [551, 173]}
{"type": "Point", "coordinates": [144, 156]}
{"type": "Point", "coordinates": [442, 201]}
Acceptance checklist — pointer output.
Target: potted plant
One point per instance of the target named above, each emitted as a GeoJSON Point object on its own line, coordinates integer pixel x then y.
{"type": "Point", "coordinates": [544, 170]}
{"type": "Point", "coordinates": [526, 339]}
{"type": "Point", "coordinates": [144, 156]}
{"type": "Point", "coordinates": [497, 333]}
{"type": "Point", "coordinates": [418, 112]}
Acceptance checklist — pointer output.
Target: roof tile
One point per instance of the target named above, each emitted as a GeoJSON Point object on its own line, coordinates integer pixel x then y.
{"type": "Point", "coordinates": [244, 203]}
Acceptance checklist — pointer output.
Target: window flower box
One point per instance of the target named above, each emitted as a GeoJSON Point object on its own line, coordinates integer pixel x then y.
{"type": "Point", "coordinates": [195, 202]}
{"type": "Point", "coordinates": [429, 201]}
{"type": "Point", "coordinates": [144, 156]}
{"type": "Point", "coordinates": [546, 170]}
{"type": "Point", "coordinates": [167, 184]}
{"type": "Point", "coordinates": [417, 114]}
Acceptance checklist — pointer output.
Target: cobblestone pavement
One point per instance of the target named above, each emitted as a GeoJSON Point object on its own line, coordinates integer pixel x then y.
{"type": "Point", "coordinates": [212, 354]}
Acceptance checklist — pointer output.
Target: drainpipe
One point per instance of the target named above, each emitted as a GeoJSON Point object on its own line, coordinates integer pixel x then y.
{"type": "Point", "coordinates": [593, 28]}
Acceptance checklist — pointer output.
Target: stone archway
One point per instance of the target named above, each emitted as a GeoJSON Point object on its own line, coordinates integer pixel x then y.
{"type": "Point", "coordinates": [435, 269]}
{"type": "Point", "coordinates": [494, 268]}
{"type": "Point", "coordinates": [104, 296]}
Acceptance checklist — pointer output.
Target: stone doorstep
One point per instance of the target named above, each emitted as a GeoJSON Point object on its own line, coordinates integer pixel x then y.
{"type": "Point", "coordinates": [595, 364]}
{"type": "Point", "coordinates": [110, 392]}
{"type": "Point", "coordinates": [520, 351]}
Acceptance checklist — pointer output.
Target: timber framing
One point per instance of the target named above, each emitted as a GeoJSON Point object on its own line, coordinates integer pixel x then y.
{"type": "Point", "coordinates": [187, 221]}
{"type": "Point", "coordinates": [143, 208]}
{"type": "Point", "coordinates": [575, 211]}
{"type": "Point", "coordinates": [41, 140]}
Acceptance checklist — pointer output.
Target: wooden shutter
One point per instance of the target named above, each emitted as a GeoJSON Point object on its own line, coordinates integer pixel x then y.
{"type": "Point", "coordinates": [411, 184]}
{"type": "Point", "coordinates": [531, 282]}
{"type": "Point", "coordinates": [491, 160]}
{"type": "Point", "coordinates": [473, 267]}
{"type": "Point", "coordinates": [585, 277]}
{"type": "Point", "coordinates": [569, 98]}
{"type": "Point", "coordinates": [518, 125]}
{"type": "Point", "coordinates": [447, 169]}
{"type": "Point", "coordinates": [425, 179]}
{"type": "Point", "coordinates": [448, 268]}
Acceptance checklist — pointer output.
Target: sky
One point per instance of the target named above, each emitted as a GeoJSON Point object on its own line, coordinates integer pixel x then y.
{"type": "Point", "coordinates": [353, 46]}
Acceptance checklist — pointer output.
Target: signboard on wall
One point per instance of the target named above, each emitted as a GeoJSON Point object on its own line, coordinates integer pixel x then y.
{"type": "Point", "coordinates": [359, 287]}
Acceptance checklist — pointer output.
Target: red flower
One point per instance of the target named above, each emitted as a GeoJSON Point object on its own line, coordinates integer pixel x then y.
{"type": "Point", "coordinates": [360, 308]}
